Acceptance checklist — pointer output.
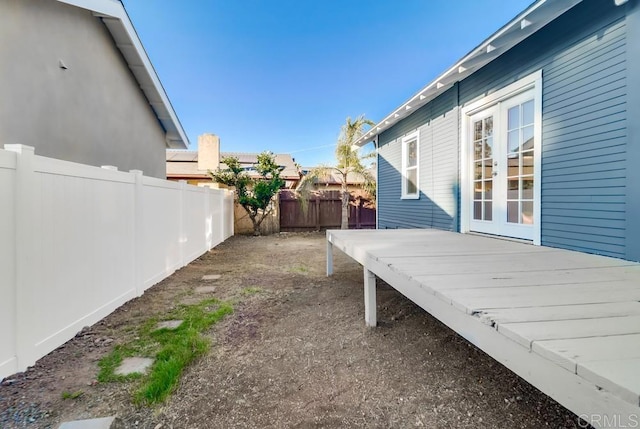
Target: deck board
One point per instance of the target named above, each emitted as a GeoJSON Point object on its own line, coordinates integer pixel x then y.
{"type": "Point", "coordinates": [569, 352]}
{"type": "Point", "coordinates": [515, 279]}
{"type": "Point", "coordinates": [498, 316]}
{"type": "Point", "coordinates": [499, 264]}
{"type": "Point", "coordinates": [620, 376]}
{"type": "Point", "coordinates": [528, 332]}
{"type": "Point", "coordinates": [474, 300]}
{"type": "Point", "coordinates": [575, 311]}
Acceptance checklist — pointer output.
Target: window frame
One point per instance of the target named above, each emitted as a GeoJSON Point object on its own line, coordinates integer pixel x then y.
{"type": "Point", "coordinates": [503, 96]}
{"type": "Point", "coordinates": [406, 140]}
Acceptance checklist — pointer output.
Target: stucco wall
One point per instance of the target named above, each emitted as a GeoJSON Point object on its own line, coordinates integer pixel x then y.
{"type": "Point", "coordinates": [93, 112]}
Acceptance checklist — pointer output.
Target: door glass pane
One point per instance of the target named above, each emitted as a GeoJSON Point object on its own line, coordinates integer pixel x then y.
{"type": "Point", "coordinates": [513, 189]}
{"type": "Point", "coordinates": [527, 163]}
{"type": "Point", "coordinates": [527, 138]}
{"type": "Point", "coordinates": [488, 126]}
{"type": "Point", "coordinates": [527, 188]}
{"type": "Point", "coordinates": [512, 212]}
{"type": "Point", "coordinates": [477, 130]}
{"type": "Point", "coordinates": [483, 169]}
{"type": "Point", "coordinates": [514, 118]}
{"type": "Point", "coordinates": [477, 210]}
{"type": "Point", "coordinates": [527, 113]}
{"type": "Point", "coordinates": [488, 189]}
{"type": "Point", "coordinates": [477, 170]}
{"type": "Point", "coordinates": [527, 212]}
{"type": "Point", "coordinates": [477, 190]}
{"type": "Point", "coordinates": [488, 211]}
{"type": "Point", "coordinates": [513, 139]}
{"type": "Point", "coordinates": [520, 160]}
{"type": "Point", "coordinates": [488, 147]}
{"type": "Point", "coordinates": [477, 150]}
{"type": "Point", "coordinates": [513, 166]}
{"type": "Point", "coordinates": [488, 168]}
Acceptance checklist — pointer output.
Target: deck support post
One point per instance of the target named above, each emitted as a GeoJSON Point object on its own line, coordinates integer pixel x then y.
{"type": "Point", "coordinates": [369, 298]}
{"type": "Point", "coordinates": [329, 257]}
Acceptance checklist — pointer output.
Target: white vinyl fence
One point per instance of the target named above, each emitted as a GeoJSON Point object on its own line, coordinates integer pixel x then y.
{"type": "Point", "coordinates": [77, 241]}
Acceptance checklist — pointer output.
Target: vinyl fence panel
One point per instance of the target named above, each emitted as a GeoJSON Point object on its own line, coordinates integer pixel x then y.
{"type": "Point", "coordinates": [77, 241]}
{"type": "Point", "coordinates": [160, 220]}
{"type": "Point", "coordinates": [194, 221]}
{"type": "Point", "coordinates": [80, 250]}
{"type": "Point", "coordinates": [8, 360]}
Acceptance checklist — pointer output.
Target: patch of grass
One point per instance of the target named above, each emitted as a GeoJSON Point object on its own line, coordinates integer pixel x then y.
{"type": "Point", "coordinates": [300, 269]}
{"type": "Point", "coordinates": [251, 290]}
{"type": "Point", "coordinates": [72, 395]}
{"type": "Point", "coordinates": [172, 349]}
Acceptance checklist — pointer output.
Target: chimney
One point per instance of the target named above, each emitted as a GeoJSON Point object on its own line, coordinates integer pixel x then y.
{"type": "Point", "coordinates": [208, 152]}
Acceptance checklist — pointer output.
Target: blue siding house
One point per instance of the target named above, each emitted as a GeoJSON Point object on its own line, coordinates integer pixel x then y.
{"type": "Point", "coordinates": [533, 135]}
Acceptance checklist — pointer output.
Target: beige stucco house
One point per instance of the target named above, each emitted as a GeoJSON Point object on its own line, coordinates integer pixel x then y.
{"type": "Point", "coordinates": [76, 84]}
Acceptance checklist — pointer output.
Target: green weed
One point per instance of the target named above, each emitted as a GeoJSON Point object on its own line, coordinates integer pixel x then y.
{"type": "Point", "coordinates": [251, 290]}
{"type": "Point", "coordinates": [299, 269]}
{"type": "Point", "coordinates": [72, 395]}
{"type": "Point", "coordinates": [172, 349]}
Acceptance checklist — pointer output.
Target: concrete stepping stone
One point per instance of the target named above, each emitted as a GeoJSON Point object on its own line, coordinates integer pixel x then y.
{"type": "Point", "coordinates": [133, 365]}
{"type": "Point", "coordinates": [211, 277]}
{"type": "Point", "coordinates": [205, 289]}
{"type": "Point", "coordinates": [112, 422]}
{"type": "Point", "coordinates": [169, 324]}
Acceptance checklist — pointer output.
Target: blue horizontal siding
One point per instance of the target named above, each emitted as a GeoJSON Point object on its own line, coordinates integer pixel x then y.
{"type": "Point", "coordinates": [437, 124]}
{"type": "Point", "coordinates": [584, 138]}
{"type": "Point", "coordinates": [582, 57]}
{"type": "Point", "coordinates": [584, 184]}
{"type": "Point", "coordinates": [632, 22]}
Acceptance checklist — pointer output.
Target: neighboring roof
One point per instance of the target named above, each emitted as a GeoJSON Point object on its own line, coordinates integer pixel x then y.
{"type": "Point", "coordinates": [182, 155]}
{"type": "Point", "coordinates": [184, 163]}
{"type": "Point", "coordinates": [115, 18]}
{"type": "Point", "coordinates": [536, 16]}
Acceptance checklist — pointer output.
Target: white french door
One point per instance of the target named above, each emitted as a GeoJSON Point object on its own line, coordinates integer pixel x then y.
{"type": "Point", "coordinates": [503, 164]}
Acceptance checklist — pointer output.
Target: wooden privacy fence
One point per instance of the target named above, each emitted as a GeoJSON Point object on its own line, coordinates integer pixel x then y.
{"type": "Point", "coordinates": [324, 212]}
{"type": "Point", "coordinates": [77, 241]}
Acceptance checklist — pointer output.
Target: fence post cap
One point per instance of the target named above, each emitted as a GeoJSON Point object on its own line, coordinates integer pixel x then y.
{"type": "Point", "coordinates": [19, 148]}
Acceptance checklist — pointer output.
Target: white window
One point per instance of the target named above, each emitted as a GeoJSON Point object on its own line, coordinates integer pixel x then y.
{"type": "Point", "coordinates": [410, 167]}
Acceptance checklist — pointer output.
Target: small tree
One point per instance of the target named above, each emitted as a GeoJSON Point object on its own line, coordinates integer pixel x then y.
{"type": "Point", "coordinates": [254, 194]}
{"type": "Point", "coordinates": [348, 160]}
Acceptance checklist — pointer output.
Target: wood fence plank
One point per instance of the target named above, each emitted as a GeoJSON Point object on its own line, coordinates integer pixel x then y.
{"type": "Point", "coordinates": [324, 210]}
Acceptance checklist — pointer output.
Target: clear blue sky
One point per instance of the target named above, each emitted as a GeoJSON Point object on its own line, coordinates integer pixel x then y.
{"type": "Point", "coordinates": [282, 75]}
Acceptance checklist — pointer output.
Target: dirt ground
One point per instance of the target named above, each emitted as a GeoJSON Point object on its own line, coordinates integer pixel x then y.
{"type": "Point", "coordinates": [295, 354]}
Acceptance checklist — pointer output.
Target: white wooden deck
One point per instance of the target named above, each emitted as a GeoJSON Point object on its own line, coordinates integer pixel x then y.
{"type": "Point", "coordinates": [567, 322]}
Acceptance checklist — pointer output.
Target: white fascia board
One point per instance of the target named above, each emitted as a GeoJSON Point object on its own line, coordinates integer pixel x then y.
{"type": "Point", "coordinates": [105, 7]}
{"type": "Point", "coordinates": [460, 69]}
{"type": "Point", "coordinates": [176, 137]}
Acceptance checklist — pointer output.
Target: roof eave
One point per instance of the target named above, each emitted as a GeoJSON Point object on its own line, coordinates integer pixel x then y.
{"type": "Point", "coordinates": [525, 24]}
{"type": "Point", "coordinates": [117, 21]}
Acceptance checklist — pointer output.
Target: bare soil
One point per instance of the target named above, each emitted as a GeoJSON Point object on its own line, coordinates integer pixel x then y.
{"type": "Point", "coordinates": [296, 353]}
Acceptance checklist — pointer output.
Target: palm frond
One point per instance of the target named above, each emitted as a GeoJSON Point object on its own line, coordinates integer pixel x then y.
{"type": "Point", "coordinates": [306, 185]}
